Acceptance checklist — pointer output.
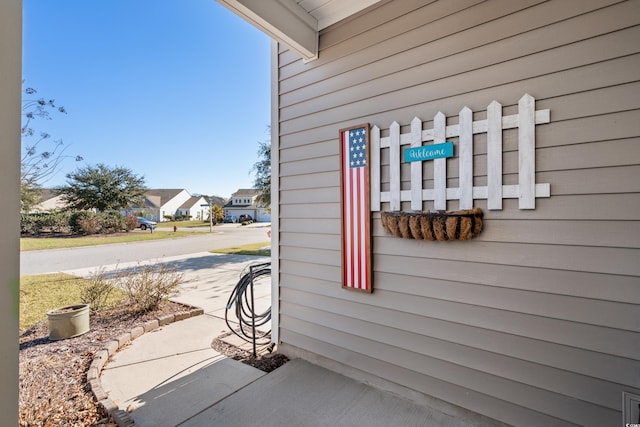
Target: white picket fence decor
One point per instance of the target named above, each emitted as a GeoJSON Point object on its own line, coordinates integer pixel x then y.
{"type": "Point", "coordinates": [526, 190]}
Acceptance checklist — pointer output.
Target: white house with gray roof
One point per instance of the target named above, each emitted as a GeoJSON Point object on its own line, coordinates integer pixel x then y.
{"type": "Point", "coordinates": [243, 202]}
{"type": "Point", "coordinates": [159, 203]}
{"type": "Point", "coordinates": [196, 207]}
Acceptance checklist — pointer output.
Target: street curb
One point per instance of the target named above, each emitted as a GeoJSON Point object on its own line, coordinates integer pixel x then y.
{"type": "Point", "coordinates": [100, 358]}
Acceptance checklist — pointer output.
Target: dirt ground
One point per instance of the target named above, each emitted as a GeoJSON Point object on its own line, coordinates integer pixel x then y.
{"type": "Point", "coordinates": [265, 360]}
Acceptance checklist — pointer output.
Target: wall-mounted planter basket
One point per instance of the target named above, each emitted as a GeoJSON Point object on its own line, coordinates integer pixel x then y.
{"type": "Point", "coordinates": [451, 225]}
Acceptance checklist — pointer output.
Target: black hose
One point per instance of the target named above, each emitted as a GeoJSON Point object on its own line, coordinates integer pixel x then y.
{"type": "Point", "coordinates": [240, 302]}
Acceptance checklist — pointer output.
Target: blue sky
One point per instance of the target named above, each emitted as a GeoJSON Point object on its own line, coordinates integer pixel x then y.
{"type": "Point", "coordinates": [175, 90]}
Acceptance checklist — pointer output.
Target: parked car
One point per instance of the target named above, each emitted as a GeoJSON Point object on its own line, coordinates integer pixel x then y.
{"type": "Point", "coordinates": [230, 218]}
{"type": "Point", "coordinates": [245, 218]}
{"type": "Point", "coordinates": [145, 223]}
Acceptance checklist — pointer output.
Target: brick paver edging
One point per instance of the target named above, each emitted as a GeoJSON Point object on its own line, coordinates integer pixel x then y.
{"type": "Point", "coordinates": [122, 417]}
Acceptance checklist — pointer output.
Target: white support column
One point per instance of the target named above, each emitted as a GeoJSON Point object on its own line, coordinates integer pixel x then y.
{"type": "Point", "coordinates": [10, 102]}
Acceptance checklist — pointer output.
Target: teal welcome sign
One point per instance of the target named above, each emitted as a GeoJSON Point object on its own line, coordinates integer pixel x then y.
{"type": "Point", "coordinates": [429, 152]}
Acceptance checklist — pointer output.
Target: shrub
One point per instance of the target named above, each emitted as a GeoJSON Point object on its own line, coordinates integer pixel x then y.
{"type": "Point", "coordinates": [89, 225]}
{"type": "Point", "coordinates": [29, 224]}
{"type": "Point", "coordinates": [169, 217]}
{"type": "Point", "coordinates": [111, 222]}
{"type": "Point", "coordinates": [149, 286]}
{"type": "Point", "coordinates": [78, 218]}
{"type": "Point", "coordinates": [97, 291]}
{"type": "Point", "coordinates": [55, 221]}
{"type": "Point", "coordinates": [37, 223]}
{"type": "Point", "coordinates": [131, 222]}
{"type": "Point", "coordinates": [182, 217]}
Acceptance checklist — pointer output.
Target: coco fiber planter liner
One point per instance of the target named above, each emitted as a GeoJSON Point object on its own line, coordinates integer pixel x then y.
{"type": "Point", "coordinates": [442, 226]}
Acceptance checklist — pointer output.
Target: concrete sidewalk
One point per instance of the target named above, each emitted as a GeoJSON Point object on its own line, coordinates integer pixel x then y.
{"type": "Point", "coordinates": [171, 376]}
{"type": "Point", "coordinates": [167, 376]}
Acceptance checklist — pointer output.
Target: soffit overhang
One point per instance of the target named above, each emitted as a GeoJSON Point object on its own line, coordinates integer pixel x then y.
{"type": "Point", "coordinates": [296, 23]}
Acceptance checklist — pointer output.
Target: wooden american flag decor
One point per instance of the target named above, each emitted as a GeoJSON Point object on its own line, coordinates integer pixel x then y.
{"type": "Point", "coordinates": [356, 215]}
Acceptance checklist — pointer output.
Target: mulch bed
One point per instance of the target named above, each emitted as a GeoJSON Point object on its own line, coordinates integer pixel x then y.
{"type": "Point", "coordinates": [264, 360]}
{"type": "Point", "coordinates": [53, 389]}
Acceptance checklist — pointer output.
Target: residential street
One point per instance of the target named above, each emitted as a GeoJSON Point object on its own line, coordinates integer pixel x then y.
{"type": "Point", "coordinates": [227, 235]}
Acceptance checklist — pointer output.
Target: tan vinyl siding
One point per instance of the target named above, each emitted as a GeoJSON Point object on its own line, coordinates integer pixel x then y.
{"type": "Point", "coordinates": [535, 322]}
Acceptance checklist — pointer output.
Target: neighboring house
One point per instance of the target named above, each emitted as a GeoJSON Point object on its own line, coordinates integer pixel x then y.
{"type": "Point", "coordinates": [162, 202]}
{"type": "Point", "coordinates": [196, 207]}
{"type": "Point", "coordinates": [49, 201]}
{"type": "Point", "coordinates": [536, 321]}
{"type": "Point", "coordinates": [157, 204]}
{"type": "Point", "coordinates": [243, 202]}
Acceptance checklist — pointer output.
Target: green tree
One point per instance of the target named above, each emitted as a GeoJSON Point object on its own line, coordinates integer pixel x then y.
{"type": "Point", "coordinates": [41, 156]}
{"type": "Point", "coordinates": [215, 200]}
{"type": "Point", "coordinates": [30, 195]}
{"type": "Point", "coordinates": [103, 188]}
{"type": "Point", "coordinates": [262, 169]}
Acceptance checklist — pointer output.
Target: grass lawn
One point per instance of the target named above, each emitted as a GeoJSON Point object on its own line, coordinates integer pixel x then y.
{"type": "Point", "coordinates": [38, 243]}
{"type": "Point", "coordinates": [252, 249]}
{"type": "Point", "coordinates": [43, 292]}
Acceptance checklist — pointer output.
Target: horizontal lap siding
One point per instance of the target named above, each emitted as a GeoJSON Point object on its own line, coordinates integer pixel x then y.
{"type": "Point", "coordinates": [535, 322]}
{"type": "Point", "coordinates": [502, 340]}
{"type": "Point", "coordinates": [494, 386]}
{"type": "Point", "coordinates": [494, 367]}
{"type": "Point", "coordinates": [474, 401]}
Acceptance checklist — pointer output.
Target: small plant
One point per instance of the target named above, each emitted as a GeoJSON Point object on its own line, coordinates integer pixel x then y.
{"type": "Point", "coordinates": [97, 290]}
{"type": "Point", "coordinates": [131, 222]}
{"type": "Point", "coordinates": [148, 287]}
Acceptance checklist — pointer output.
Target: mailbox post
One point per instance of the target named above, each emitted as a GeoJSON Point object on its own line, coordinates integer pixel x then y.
{"type": "Point", "coordinates": [210, 215]}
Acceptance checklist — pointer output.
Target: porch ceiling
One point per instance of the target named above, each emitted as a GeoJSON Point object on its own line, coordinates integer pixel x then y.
{"type": "Point", "coordinates": [295, 23]}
